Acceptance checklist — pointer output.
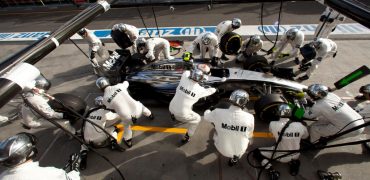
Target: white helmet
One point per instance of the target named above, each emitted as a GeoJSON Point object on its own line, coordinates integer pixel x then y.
{"type": "Point", "coordinates": [317, 91]}
{"type": "Point", "coordinates": [255, 39]}
{"type": "Point", "coordinates": [197, 75]}
{"type": "Point", "coordinates": [42, 83]}
{"type": "Point", "coordinates": [102, 83]}
{"type": "Point", "coordinates": [206, 38]}
{"type": "Point", "coordinates": [236, 23]}
{"type": "Point", "coordinates": [17, 149]}
{"type": "Point", "coordinates": [292, 33]}
{"type": "Point", "coordinates": [239, 98]}
{"type": "Point", "coordinates": [82, 32]}
{"type": "Point", "coordinates": [284, 111]}
{"type": "Point", "coordinates": [99, 101]}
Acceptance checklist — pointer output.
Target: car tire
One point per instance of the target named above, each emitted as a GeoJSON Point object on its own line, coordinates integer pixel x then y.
{"type": "Point", "coordinates": [255, 63]}
{"type": "Point", "coordinates": [266, 107]}
{"type": "Point", "coordinates": [76, 103]}
{"type": "Point", "coordinates": [230, 43]}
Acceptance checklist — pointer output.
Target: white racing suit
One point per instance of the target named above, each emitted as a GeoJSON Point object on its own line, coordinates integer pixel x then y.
{"type": "Point", "coordinates": [117, 98]}
{"type": "Point", "coordinates": [197, 47]}
{"type": "Point", "coordinates": [155, 46]}
{"type": "Point", "coordinates": [94, 135]}
{"type": "Point", "coordinates": [290, 141]}
{"type": "Point", "coordinates": [95, 46]}
{"type": "Point", "coordinates": [31, 170]}
{"type": "Point", "coordinates": [283, 42]}
{"type": "Point", "coordinates": [221, 29]}
{"type": "Point", "coordinates": [131, 31]}
{"type": "Point", "coordinates": [331, 19]}
{"type": "Point", "coordinates": [234, 129]}
{"type": "Point", "coordinates": [248, 49]}
{"type": "Point", "coordinates": [328, 48]}
{"type": "Point", "coordinates": [188, 92]}
{"type": "Point", "coordinates": [32, 119]}
{"type": "Point", "coordinates": [333, 115]}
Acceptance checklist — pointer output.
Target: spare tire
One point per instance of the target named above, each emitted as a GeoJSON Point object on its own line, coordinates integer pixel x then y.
{"type": "Point", "coordinates": [266, 107]}
{"type": "Point", "coordinates": [230, 43]}
{"type": "Point", "coordinates": [255, 63]}
{"type": "Point", "coordinates": [74, 102]}
{"type": "Point", "coordinates": [121, 39]}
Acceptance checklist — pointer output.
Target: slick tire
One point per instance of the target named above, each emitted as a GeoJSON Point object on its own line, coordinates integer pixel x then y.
{"type": "Point", "coordinates": [71, 101]}
{"type": "Point", "coordinates": [266, 107]}
{"type": "Point", "coordinates": [255, 63]}
{"type": "Point", "coordinates": [230, 43]}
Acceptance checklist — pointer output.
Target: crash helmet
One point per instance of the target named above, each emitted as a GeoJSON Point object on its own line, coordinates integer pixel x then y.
{"type": "Point", "coordinates": [99, 101]}
{"type": "Point", "coordinates": [206, 38]}
{"type": "Point", "coordinates": [292, 33]}
{"type": "Point", "coordinates": [255, 39]}
{"type": "Point", "coordinates": [82, 32]}
{"type": "Point", "coordinates": [365, 90]}
{"type": "Point", "coordinates": [17, 149]}
{"type": "Point", "coordinates": [204, 68]}
{"type": "Point", "coordinates": [141, 41]}
{"type": "Point", "coordinates": [316, 43]}
{"type": "Point", "coordinates": [102, 83]}
{"type": "Point", "coordinates": [236, 23]}
{"type": "Point", "coordinates": [121, 27]}
{"type": "Point", "coordinates": [284, 111]}
{"type": "Point", "coordinates": [317, 91]}
{"type": "Point", "coordinates": [197, 75]}
{"type": "Point", "coordinates": [239, 98]}
{"type": "Point", "coordinates": [42, 83]}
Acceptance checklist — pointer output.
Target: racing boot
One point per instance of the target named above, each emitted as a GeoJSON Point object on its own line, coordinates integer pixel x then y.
{"type": "Point", "coordinates": [185, 139]}
{"type": "Point", "coordinates": [233, 161]}
{"type": "Point", "coordinates": [83, 156]}
{"type": "Point", "coordinates": [294, 167]}
{"type": "Point", "coordinates": [323, 175]}
{"type": "Point", "coordinates": [273, 174]}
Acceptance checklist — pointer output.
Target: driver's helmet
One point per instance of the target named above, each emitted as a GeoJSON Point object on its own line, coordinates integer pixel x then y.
{"type": "Point", "coordinates": [206, 38]}
{"type": "Point", "coordinates": [99, 101]}
{"type": "Point", "coordinates": [197, 75]}
{"type": "Point", "coordinates": [255, 39]}
{"type": "Point", "coordinates": [291, 34]}
{"type": "Point", "coordinates": [284, 111]}
{"type": "Point", "coordinates": [236, 23]}
{"type": "Point", "coordinates": [17, 149]}
{"type": "Point", "coordinates": [82, 32]}
{"type": "Point", "coordinates": [317, 91]}
{"type": "Point", "coordinates": [239, 98]}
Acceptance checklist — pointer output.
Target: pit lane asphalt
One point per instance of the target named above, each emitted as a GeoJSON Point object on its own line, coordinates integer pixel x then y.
{"type": "Point", "coordinates": [158, 155]}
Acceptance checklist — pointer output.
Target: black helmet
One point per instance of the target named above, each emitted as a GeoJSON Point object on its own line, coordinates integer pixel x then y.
{"type": "Point", "coordinates": [317, 91]}
{"type": "Point", "coordinates": [284, 111]}
{"type": "Point", "coordinates": [239, 98]}
{"type": "Point", "coordinates": [17, 149]}
{"type": "Point", "coordinates": [82, 32]}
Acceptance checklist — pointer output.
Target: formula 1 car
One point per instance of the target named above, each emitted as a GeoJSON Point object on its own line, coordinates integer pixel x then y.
{"type": "Point", "coordinates": [159, 80]}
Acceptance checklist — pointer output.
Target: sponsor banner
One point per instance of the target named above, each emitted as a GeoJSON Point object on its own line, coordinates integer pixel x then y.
{"type": "Point", "coordinates": [192, 31]}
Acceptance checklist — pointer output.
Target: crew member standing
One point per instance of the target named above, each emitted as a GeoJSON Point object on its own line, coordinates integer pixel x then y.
{"type": "Point", "coordinates": [328, 22]}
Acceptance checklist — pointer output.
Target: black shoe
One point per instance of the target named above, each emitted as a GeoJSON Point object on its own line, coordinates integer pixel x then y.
{"type": "Point", "coordinates": [128, 142]}
{"type": "Point", "coordinates": [185, 139]}
{"type": "Point", "coordinates": [273, 174]}
{"type": "Point", "coordinates": [303, 78]}
{"type": "Point", "coordinates": [360, 97]}
{"type": "Point", "coordinates": [323, 175]}
{"type": "Point", "coordinates": [83, 156]}
{"type": "Point", "coordinates": [296, 61]}
{"type": "Point", "coordinates": [272, 63]}
{"type": "Point", "coordinates": [115, 146]}
{"type": "Point", "coordinates": [223, 57]}
{"type": "Point", "coordinates": [366, 146]}
{"type": "Point", "coordinates": [151, 117]}
{"type": "Point", "coordinates": [294, 167]}
{"type": "Point", "coordinates": [233, 161]}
